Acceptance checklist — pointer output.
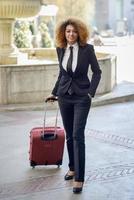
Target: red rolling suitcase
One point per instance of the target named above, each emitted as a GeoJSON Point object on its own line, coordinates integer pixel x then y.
{"type": "Point", "coordinates": [46, 145]}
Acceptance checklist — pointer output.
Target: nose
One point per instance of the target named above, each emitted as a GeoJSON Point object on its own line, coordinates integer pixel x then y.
{"type": "Point", "coordinates": [71, 32]}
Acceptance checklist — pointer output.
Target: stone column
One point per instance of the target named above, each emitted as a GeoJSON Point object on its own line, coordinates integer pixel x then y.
{"type": "Point", "coordinates": [8, 51]}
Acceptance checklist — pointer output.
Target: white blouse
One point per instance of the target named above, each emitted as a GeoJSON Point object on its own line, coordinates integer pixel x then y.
{"type": "Point", "coordinates": [75, 56]}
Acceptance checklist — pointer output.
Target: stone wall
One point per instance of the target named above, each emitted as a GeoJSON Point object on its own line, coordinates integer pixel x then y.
{"type": "Point", "coordinates": [33, 82]}
{"type": "Point", "coordinates": [109, 74]}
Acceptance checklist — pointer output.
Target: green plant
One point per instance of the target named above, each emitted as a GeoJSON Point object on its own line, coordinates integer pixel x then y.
{"type": "Point", "coordinates": [46, 40]}
{"type": "Point", "coordinates": [22, 34]}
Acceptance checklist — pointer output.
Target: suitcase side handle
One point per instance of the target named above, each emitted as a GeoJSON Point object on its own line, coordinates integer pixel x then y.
{"type": "Point", "coordinates": [44, 124]}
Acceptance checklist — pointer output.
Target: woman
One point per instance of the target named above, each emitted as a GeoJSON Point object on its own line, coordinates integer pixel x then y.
{"type": "Point", "coordinates": [74, 91]}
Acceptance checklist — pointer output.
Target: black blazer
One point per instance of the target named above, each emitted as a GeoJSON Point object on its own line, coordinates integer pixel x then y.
{"type": "Point", "coordinates": [79, 80]}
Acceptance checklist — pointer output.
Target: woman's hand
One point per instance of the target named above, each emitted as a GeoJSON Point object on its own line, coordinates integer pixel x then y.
{"type": "Point", "coordinates": [51, 98]}
{"type": "Point", "coordinates": [90, 96]}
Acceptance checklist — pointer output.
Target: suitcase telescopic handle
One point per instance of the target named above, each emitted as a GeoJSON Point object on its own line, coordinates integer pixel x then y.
{"type": "Point", "coordinates": [45, 113]}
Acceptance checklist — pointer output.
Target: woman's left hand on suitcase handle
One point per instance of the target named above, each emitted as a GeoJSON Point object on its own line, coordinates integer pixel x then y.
{"type": "Point", "coordinates": [51, 98]}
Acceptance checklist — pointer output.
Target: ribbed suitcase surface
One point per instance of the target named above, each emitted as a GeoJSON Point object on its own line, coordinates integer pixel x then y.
{"type": "Point", "coordinates": [46, 146]}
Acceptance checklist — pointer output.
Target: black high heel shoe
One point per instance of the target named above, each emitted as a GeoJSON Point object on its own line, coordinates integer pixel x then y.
{"type": "Point", "coordinates": [77, 190]}
{"type": "Point", "coordinates": [68, 177]}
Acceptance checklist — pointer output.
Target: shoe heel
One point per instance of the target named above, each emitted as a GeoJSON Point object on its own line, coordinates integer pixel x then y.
{"type": "Point", "coordinates": [77, 190]}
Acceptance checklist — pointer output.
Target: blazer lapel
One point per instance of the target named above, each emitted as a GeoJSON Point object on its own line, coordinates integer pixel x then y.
{"type": "Point", "coordinates": [79, 60]}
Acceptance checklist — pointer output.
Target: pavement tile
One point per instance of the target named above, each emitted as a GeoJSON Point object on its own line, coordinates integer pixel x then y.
{"type": "Point", "coordinates": [109, 157]}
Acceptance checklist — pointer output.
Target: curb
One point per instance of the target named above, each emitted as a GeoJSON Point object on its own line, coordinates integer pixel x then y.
{"type": "Point", "coordinates": [113, 100]}
{"type": "Point", "coordinates": [98, 101]}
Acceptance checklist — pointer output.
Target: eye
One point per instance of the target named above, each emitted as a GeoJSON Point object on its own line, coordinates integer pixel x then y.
{"type": "Point", "coordinates": [75, 32]}
{"type": "Point", "coordinates": [67, 31]}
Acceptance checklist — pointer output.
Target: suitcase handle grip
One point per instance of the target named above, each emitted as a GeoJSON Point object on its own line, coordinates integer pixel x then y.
{"type": "Point", "coordinates": [49, 136]}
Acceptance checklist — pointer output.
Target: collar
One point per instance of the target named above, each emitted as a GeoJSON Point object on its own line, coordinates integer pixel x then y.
{"type": "Point", "coordinates": [75, 45]}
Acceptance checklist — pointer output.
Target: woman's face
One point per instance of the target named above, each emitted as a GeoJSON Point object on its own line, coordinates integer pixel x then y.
{"type": "Point", "coordinates": [71, 34]}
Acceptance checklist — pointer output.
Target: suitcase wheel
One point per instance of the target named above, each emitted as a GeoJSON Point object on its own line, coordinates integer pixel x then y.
{"type": "Point", "coordinates": [59, 163]}
{"type": "Point", "coordinates": [32, 164]}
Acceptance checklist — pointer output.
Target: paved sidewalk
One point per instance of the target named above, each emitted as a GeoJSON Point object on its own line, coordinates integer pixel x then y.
{"type": "Point", "coordinates": [109, 157]}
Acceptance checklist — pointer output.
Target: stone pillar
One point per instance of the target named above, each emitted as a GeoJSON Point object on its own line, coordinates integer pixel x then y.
{"type": "Point", "coordinates": [8, 51]}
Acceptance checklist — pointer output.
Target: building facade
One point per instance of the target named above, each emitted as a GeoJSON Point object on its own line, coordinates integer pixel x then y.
{"type": "Point", "coordinates": [115, 15]}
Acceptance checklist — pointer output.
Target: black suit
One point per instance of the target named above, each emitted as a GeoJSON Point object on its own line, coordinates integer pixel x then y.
{"type": "Point", "coordinates": [79, 80]}
{"type": "Point", "coordinates": [75, 108]}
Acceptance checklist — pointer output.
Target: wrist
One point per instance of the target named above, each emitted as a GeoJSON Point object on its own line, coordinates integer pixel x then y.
{"type": "Point", "coordinates": [90, 95]}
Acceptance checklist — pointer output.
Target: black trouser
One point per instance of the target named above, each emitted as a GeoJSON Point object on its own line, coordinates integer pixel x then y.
{"type": "Point", "coordinates": [74, 111]}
